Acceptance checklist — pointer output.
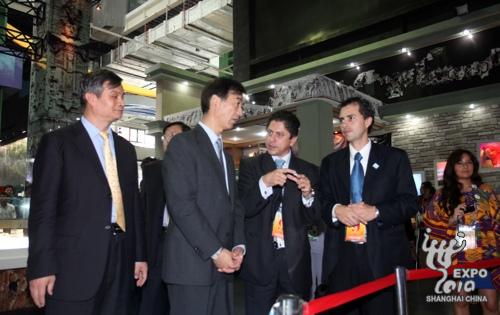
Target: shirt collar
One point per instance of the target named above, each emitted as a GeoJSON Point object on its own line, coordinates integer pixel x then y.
{"type": "Point", "coordinates": [286, 157]}
{"type": "Point", "coordinates": [211, 134]}
{"type": "Point", "coordinates": [365, 151]}
{"type": "Point", "coordinates": [91, 129]}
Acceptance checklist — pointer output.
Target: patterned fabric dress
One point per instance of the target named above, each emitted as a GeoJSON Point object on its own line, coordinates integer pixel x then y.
{"type": "Point", "coordinates": [486, 218]}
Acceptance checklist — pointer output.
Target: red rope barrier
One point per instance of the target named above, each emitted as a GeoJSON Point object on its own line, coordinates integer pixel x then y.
{"type": "Point", "coordinates": [334, 300]}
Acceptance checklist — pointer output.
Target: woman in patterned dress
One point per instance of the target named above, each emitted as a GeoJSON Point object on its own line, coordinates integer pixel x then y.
{"type": "Point", "coordinates": [467, 204]}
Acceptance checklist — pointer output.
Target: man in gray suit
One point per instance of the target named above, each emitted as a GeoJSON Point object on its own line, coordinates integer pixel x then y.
{"type": "Point", "coordinates": [204, 241]}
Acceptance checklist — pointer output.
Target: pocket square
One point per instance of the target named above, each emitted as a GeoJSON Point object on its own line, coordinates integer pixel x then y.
{"type": "Point", "coordinates": [375, 166]}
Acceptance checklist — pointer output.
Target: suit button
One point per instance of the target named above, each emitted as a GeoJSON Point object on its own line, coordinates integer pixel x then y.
{"type": "Point", "coordinates": [107, 227]}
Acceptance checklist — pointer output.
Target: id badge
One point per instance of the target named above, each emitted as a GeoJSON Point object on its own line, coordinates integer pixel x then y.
{"type": "Point", "coordinates": [356, 234]}
{"type": "Point", "coordinates": [278, 225]}
{"type": "Point", "coordinates": [469, 236]}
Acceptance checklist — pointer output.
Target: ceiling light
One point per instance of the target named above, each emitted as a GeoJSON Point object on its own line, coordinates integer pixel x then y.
{"type": "Point", "coordinates": [253, 102]}
{"type": "Point", "coordinates": [404, 50]}
{"type": "Point", "coordinates": [472, 106]}
{"type": "Point", "coordinates": [409, 53]}
{"type": "Point", "coordinates": [98, 7]}
{"type": "Point", "coordinates": [185, 83]}
{"type": "Point", "coordinates": [261, 133]}
{"type": "Point", "coordinates": [272, 86]}
{"type": "Point", "coordinates": [357, 68]}
{"type": "Point", "coordinates": [246, 97]}
{"type": "Point", "coordinates": [238, 129]}
{"type": "Point", "coordinates": [352, 65]}
{"type": "Point", "coordinates": [468, 34]}
{"type": "Point", "coordinates": [408, 116]}
{"type": "Point", "coordinates": [235, 138]}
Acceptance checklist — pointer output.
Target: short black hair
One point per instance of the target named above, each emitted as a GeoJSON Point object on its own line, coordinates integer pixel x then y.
{"type": "Point", "coordinates": [183, 126]}
{"type": "Point", "coordinates": [291, 122]}
{"type": "Point", "coordinates": [220, 87]}
{"type": "Point", "coordinates": [365, 108]}
{"type": "Point", "coordinates": [93, 82]}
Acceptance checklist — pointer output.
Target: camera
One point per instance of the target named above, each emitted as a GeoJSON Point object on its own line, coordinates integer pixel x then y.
{"type": "Point", "coordinates": [469, 208]}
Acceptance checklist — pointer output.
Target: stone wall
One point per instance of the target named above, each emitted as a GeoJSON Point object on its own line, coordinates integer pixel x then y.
{"type": "Point", "coordinates": [429, 137]}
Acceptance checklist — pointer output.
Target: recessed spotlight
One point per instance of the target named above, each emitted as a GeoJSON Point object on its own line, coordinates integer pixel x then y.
{"type": "Point", "coordinates": [253, 102]}
{"type": "Point", "coordinates": [409, 53]}
{"type": "Point", "coordinates": [98, 7]}
{"type": "Point", "coordinates": [272, 86]}
{"type": "Point", "coordinates": [468, 34]}
{"type": "Point", "coordinates": [238, 129]}
{"type": "Point", "coordinates": [404, 50]}
{"type": "Point", "coordinates": [235, 138]}
{"type": "Point", "coordinates": [262, 133]}
{"type": "Point", "coordinates": [408, 116]}
{"type": "Point", "coordinates": [246, 97]}
{"type": "Point", "coordinates": [357, 68]}
{"type": "Point", "coordinates": [185, 83]}
{"type": "Point", "coordinates": [472, 106]}
{"type": "Point", "coordinates": [352, 65]}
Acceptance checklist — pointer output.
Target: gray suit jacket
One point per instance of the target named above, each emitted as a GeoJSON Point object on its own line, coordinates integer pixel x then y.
{"type": "Point", "coordinates": [204, 216]}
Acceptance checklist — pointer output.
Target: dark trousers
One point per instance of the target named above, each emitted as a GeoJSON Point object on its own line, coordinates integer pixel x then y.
{"type": "Point", "coordinates": [353, 269]}
{"type": "Point", "coordinates": [113, 295]}
{"type": "Point", "coordinates": [217, 299]}
{"type": "Point", "coordinates": [154, 300]}
{"type": "Point", "coordinates": [259, 299]}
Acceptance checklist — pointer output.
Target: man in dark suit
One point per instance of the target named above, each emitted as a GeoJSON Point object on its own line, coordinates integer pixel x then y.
{"type": "Point", "coordinates": [154, 294]}
{"type": "Point", "coordinates": [204, 241]}
{"type": "Point", "coordinates": [367, 194]}
{"type": "Point", "coordinates": [85, 232]}
{"type": "Point", "coordinates": [277, 191]}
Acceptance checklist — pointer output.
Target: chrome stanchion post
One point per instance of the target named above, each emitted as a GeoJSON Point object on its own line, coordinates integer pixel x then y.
{"type": "Point", "coordinates": [401, 290]}
{"type": "Point", "coordinates": [287, 304]}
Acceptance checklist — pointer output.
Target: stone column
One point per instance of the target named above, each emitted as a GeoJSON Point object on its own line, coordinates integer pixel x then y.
{"type": "Point", "coordinates": [316, 130]}
{"type": "Point", "coordinates": [54, 88]}
{"type": "Point", "coordinates": [177, 90]}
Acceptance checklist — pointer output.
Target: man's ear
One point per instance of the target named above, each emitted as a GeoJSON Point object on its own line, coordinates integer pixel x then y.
{"type": "Point", "coordinates": [293, 140]}
{"type": "Point", "coordinates": [215, 102]}
{"type": "Point", "coordinates": [90, 98]}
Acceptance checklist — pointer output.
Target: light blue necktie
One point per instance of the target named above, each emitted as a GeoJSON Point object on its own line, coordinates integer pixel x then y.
{"type": "Point", "coordinates": [357, 179]}
{"type": "Point", "coordinates": [279, 163]}
{"type": "Point", "coordinates": [218, 143]}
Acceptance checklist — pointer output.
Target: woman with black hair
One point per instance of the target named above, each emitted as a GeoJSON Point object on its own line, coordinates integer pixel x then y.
{"type": "Point", "coordinates": [466, 204]}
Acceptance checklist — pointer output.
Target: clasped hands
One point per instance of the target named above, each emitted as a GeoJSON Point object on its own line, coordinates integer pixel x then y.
{"type": "Point", "coordinates": [229, 261]}
{"type": "Point", "coordinates": [355, 213]}
{"type": "Point", "coordinates": [279, 176]}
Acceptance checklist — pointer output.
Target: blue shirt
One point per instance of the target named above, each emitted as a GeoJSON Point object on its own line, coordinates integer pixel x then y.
{"type": "Point", "coordinates": [98, 143]}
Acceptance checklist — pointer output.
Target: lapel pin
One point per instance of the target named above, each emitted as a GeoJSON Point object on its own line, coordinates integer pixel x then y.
{"type": "Point", "coordinates": [375, 166]}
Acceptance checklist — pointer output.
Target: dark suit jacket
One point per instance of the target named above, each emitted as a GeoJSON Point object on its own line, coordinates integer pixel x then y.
{"type": "Point", "coordinates": [204, 217]}
{"type": "Point", "coordinates": [153, 200]}
{"type": "Point", "coordinates": [70, 212]}
{"type": "Point", "coordinates": [389, 187]}
{"type": "Point", "coordinates": [259, 215]}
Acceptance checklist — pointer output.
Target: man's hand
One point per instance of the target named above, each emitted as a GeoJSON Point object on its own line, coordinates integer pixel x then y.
{"type": "Point", "coordinates": [237, 254]}
{"type": "Point", "coordinates": [303, 183]}
{"type": "Point", "coordinates": [140, 273]}
{"type": "Point", "coordinates": [41, 286]}
{"type": "Point", "coordinates": [278, 177]}
{"type": "Point", "coordinates": [225, 263]}
{"type": "Point", "coordinates": [345, 215]}
{"type": "Point", "coordinates": [364, 212]}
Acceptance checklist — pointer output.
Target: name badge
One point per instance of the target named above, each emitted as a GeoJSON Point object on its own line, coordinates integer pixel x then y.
{"type": "Point", "coordinates": [469, 236]}
{"type": "Point", "coordinates": [278, 226]}
{"type": "Point", "coordinates": [356, 234]}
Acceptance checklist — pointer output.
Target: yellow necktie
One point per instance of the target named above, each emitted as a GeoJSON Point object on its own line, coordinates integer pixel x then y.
{"type": "Point", "coordinates": [114, 183]}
